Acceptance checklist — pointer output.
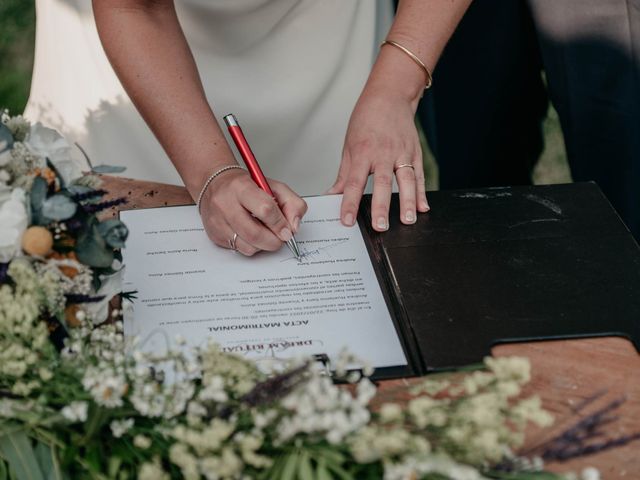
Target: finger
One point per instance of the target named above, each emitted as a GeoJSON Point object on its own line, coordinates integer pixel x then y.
{"type": "Point", "coordinates": [382, 184]}
{"type": "Point", "coordinates": [293, 207]}
{"type": "Point", "coordinates": [245, 248]}
{"type": "Point", "coordinates": [421, 194]}
{"type": "Point", "coordinates": [265, 209]}
{"type": "Point", "coordinates": [407, 192]}
{"type": "Point", "coordinates": [341, 179]}
{"type": "Point", "coordinates": [353, 189]}
{"type": "Point", "coordinates": [252, 230]}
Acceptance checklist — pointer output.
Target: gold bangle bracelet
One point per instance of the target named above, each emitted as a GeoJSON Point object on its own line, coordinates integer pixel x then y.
{"type": "Point", "coordinates": [413, 57]}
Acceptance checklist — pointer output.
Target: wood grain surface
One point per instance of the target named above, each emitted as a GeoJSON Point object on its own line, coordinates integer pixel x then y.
{"type": "Point", "coordinates": [565, 373]}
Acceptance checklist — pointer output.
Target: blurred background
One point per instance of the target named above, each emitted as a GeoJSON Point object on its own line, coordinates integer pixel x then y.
{"type": "Point", "coordinates": [17, 33]}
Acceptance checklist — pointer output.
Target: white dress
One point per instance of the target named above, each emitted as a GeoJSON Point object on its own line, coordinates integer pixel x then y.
{"type": "Point", "coordinates": [291, 71]}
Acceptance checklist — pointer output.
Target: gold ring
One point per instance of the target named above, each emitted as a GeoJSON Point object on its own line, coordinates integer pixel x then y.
{"type": "Point", "coordinates": [232, 242]}
{"type": "Point", "coordinates": [404, 165]}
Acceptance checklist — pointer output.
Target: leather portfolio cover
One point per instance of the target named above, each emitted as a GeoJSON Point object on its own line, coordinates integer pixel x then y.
{"type": "Point", "coordinates": [513, 264]}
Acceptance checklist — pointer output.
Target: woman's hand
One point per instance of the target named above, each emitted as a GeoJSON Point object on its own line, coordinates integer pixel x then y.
{"type": "Point", "coordinates": [382, 140]}
{"type": "Point", "coordinates": [233, 204]}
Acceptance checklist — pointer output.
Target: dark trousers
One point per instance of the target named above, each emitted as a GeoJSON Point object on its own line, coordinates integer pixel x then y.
{"type": "Point", "coordinates": [484, 112]}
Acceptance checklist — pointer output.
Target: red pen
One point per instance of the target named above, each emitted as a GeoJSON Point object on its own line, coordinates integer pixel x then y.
{"type": "Point", "coordinates": [253, 167]}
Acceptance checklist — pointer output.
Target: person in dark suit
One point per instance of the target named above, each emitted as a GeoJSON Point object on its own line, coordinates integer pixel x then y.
{"type": "Point", "coordinates": [483, 115]}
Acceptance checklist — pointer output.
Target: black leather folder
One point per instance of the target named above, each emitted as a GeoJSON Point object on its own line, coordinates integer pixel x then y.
{"type": "Point", "coordinates": [498, 265]}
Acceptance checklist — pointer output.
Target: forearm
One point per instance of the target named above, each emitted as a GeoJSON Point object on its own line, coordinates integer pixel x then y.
{"type": "Point", "coordinates": [149, 53]}
{"type": "Point", "coordinates": [423, 27]}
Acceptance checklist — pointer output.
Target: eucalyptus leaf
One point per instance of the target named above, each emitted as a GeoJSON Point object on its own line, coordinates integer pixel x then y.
{"type": "Point", "coordinates": [114, 232]}
{"type": "Point", "coordinates": [38, 194]}
{"type": "Point", "coordinates": [108, 169]}
{"type": "Point", "coordinates": [92, 250]}
{"type": "Point", "coordinates": [6, 138]}
{"type": "Point", "coordinates": [74, 189]}
{"type": "Point", "coordinates": [59, 207]}
{"type": "Point", "coordinates": [4, 473]}
{"type": "Point", "coordinates": [16, 449]}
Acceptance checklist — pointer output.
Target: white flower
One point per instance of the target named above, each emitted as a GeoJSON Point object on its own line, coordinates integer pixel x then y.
{"type": "Point", "coordinates": [13, 223]}
{"type": "Point", "coordinates": [142, 442]}
{"type": "Point", "coordinates": [111, 286]}
{"type": "Point", "coordinates": [46, 142]}
{"type": "Point", "coordinates": [75, 411]}
{"type": "Point", "coordinates": [590, 473]}
{"type": "Point", "coordinates": [120, 427]}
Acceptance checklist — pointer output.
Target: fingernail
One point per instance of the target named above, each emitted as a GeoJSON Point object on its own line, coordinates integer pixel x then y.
{"type": "Point", "coordinates": [296, 224]}
{"type": "Point", "coordinates": [348, 219]}
{"type": "Point", "coordinates": [410, 216]}
{"type": "Point", "coordinates": [382, 224]}
{"type": "Point", "coordinates": [285, 234]}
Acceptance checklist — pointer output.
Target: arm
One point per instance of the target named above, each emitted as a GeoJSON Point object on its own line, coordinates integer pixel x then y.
{"type": "Point", "coordinates": [381, 133]}
{"type": "Point", "coordinates": [148, 51]}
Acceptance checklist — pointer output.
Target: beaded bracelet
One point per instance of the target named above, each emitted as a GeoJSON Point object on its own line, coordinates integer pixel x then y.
{"type": "Point", "coordinates": [211, 178]}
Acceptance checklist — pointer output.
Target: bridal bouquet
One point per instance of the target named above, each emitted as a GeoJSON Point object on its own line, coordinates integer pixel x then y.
{"type": "Point", "coordinates": [79, 401]}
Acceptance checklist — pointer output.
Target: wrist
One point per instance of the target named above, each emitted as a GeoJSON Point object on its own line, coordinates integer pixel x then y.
{"type": "Point", "coordinates": [396, 73]}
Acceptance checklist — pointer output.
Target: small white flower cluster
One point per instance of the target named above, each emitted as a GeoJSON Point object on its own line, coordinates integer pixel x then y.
{"type": "Point", "coordinates": [418, 466]}
{"type": "Point", "coordinates": [75, 412]}
{"type": "Point", "coordinates": [325, 409]}
{"type": "Point", "coordinates": [216, 451]}
{"type": "Point", "coordinates": [373, 443]}
{"type": "Point", "coordinates": [24, 335]}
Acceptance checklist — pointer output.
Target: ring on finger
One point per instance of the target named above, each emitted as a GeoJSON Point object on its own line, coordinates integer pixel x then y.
{"type": "Point", "coordinates": [404, 165]}
{"type": "Point", "coordinates": [232, 242]}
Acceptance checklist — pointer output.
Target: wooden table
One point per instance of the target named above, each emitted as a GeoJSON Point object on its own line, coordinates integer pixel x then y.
{"type": "Point", "coordinates": [564, 372]}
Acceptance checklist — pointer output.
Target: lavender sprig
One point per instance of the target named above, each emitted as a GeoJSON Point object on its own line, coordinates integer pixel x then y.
{"type": "Point", "coordinates": [585, 436]}
{"type": "Point", "coordinates": [78, 298]}
{"type": "Point", "coordinates": [80, 197]}
{"type": "Point", "coordinates": [3, 272]}
{"type": "Point", "coordinates": [98, 207]}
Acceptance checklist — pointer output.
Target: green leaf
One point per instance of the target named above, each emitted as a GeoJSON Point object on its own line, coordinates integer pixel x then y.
{"type": "Point", "coordinates": [289, 470]}
{"type": "Point", "coordinates": [92, 250]}
{"type": "Point", "coordinates": [48, 462]}
{"type": "Point", "coordinates": [340, 472]}
{"type": "Point", "coordinates": [305, 471]}
{"type": "Point", "coordinates": [114, 232]}
{"type": "Point", "coordinates": [322, 473]}
{"type": "Point", "coordinates": [4, 473]}
{"type": "Point", "coordinates": [16, 449]}
{"type": "Point", "coordinates": [108, 169]}
{"type": "Point", "coordinates": [59, 207]}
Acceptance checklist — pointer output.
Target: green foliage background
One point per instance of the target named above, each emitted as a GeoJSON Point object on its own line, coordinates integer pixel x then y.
{"type": "Point", "coordinates": [17, 34]}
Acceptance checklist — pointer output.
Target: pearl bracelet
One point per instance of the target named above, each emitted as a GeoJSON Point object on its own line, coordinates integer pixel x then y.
{"type": "Point", "coordinates": [211, 178]}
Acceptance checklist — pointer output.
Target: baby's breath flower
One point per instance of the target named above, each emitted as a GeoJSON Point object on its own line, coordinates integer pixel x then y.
{"type": "Point", "coordinates": [120, 427]}
{"type": "Point", "coordinates": [75, 412]}
{"type": "Point", "coordinates": [152, 471]}
{"type": "Point", "coordinates": [142, 442]}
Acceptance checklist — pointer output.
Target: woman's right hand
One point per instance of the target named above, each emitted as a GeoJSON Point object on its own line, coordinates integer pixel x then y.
{"type": "Point", "coordinates": [234, 204]}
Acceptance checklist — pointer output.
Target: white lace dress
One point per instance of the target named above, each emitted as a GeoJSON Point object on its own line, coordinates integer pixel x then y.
{"type": "Point", "coordinates": [291, 70]}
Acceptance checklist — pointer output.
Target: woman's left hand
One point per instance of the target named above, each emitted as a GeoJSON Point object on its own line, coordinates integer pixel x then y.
{"type": "Point", "coordinates": [382, 140]}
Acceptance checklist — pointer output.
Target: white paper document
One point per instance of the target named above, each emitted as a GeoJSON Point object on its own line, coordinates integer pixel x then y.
{"type": "Point", "coordinates": [269, 305]}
